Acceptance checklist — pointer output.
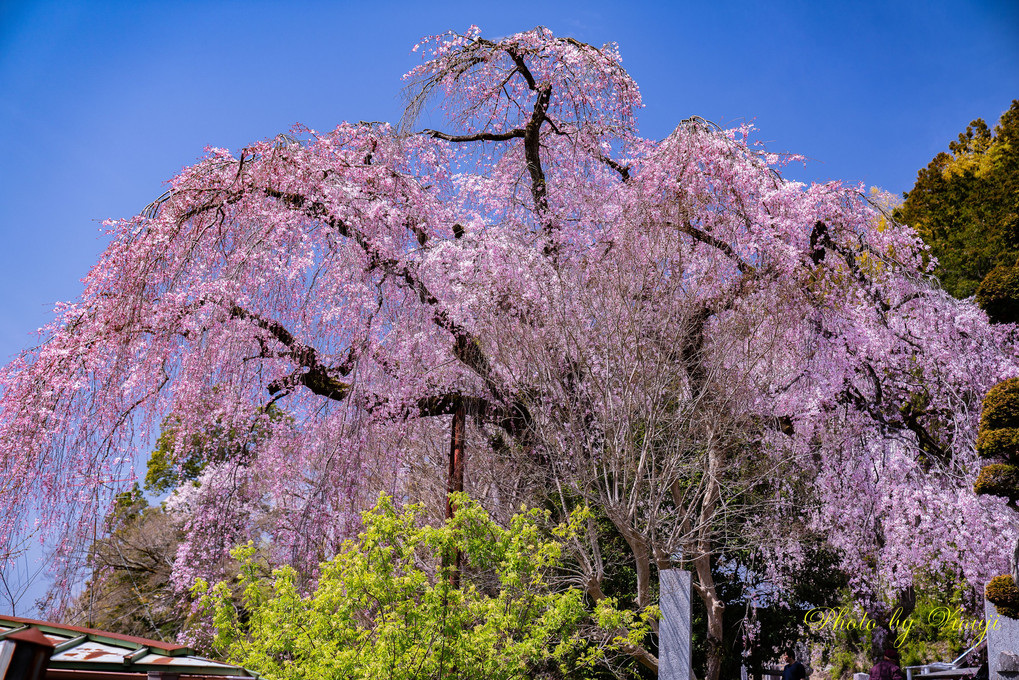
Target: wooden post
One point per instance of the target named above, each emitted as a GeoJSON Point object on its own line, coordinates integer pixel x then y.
{"type": "Point", "coordinates": [24, 655]}
{"type": "Point", "coordinates": [455, 477]}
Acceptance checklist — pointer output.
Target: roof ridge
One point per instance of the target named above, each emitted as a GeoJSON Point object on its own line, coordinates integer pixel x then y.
{"type": "Point", "coordinates": [63, 629]}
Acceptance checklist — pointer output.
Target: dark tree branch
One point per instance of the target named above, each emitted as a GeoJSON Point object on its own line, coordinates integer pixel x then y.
{"type": "Point", "coordinates": [532, 149]}
{"type": "Point", "coordinates": [820, 238]}
{"type": "Point", "coordinates": [478, 137]}
{"type": "Point", "coordinates": [322, 380]}
{"type": "Point", "coordinates": [531, 134]}
{"type": "Point", "coordinates": [512, 415]}
{"type": "Point", "coordinates": [623, 170]}
{"type": "Point", "coordinates": [466, 347]}
{"type": "Point", "coordinates": [710, 240]}
{"type": "Point", "coordinates": [908, 419]}
{"type": "Point", "coordinates": [515, 419]}
{"type": "Point", "coordinates": [639, 654]}
{"type": "Point", "coordinates": [317, 377]}
{"type": "Point", "coordinates": [522, 68]}
{"type": "Point", "coordinates": [532, 145]}
{"type": "Point", "coordinates": [927, 443]}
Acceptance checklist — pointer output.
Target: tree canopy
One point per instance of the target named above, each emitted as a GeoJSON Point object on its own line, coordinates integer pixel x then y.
{"type": "Point", "coordinates": [965, 204]}
{"type": "Point", "coordinates": [716, 359]}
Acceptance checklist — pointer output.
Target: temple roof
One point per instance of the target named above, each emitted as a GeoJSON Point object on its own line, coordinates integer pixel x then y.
{"type": "Point", "coordinates": [89, 654]}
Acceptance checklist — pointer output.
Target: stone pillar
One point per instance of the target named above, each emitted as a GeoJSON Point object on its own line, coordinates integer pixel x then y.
{"type": "Point", "coordinates": [1002, 645]}
{"type": "Point", "coordinates": [674, 661]}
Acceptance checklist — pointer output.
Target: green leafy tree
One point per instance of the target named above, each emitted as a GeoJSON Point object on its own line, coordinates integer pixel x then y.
{"type": "Point", "coordinates": [174, 462]}
{"type": "Point", "coordinates": [386, 606]}
{"type": "Point", "coordinates": [965, 205]}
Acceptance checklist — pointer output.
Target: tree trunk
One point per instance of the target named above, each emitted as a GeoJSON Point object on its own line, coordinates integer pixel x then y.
{"type": "Point", "coordinates": [642, 565]}
{"type": "Point", "coordinates": [715, 609]}
{"type": "Point", "coordinates": [702, 564]}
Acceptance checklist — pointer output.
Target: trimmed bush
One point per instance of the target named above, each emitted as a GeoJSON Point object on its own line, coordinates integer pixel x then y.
{"type": "Point", "coordinates": [999, 479]}
{"type": "Point", "coordinates": [1003, 593]}
{"type": "Point", "coordinates": [1001, 443]}
{"type": "Point", "coordinates": [1001, 406]}
{"type": "Point", "coordinates": [998, 294]}
{"type": "Point", "coordinates": [999, 438]}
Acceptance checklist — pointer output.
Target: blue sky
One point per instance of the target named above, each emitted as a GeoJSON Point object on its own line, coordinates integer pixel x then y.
{"type": "Point", "coordinates": [102, 102]}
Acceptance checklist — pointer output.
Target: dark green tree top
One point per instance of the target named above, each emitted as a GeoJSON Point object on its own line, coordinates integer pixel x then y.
{"type": "Point", "coordinates": [965, 204]}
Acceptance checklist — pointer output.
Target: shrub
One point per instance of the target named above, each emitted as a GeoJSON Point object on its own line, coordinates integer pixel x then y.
{"type": "Point", "coordinates": [998, 294]}
{"type": "Point", "coordinates": [999, 479]}
{"type": "Point", "coordinates": [1001, 443]}
{"type": "Point", "coordinates": [1003, 593]}
{"type": "Point", "coordinates": [1001, 406]}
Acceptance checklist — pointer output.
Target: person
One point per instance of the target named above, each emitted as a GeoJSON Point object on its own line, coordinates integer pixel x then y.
{"type": "Point", "coordinates": [888, 667]}
{"type": "Point", "coordinates": [793, 670]}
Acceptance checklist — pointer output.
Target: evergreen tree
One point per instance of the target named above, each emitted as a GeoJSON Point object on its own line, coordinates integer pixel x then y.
{"type": "Point", "coordinates": [965, 205]}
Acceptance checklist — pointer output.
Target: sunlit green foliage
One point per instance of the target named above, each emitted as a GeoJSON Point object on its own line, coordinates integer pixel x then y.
{"type": "Point", "coordinates": [385, 607]}
{"type": "Point", "coordinates": [172, 462]}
